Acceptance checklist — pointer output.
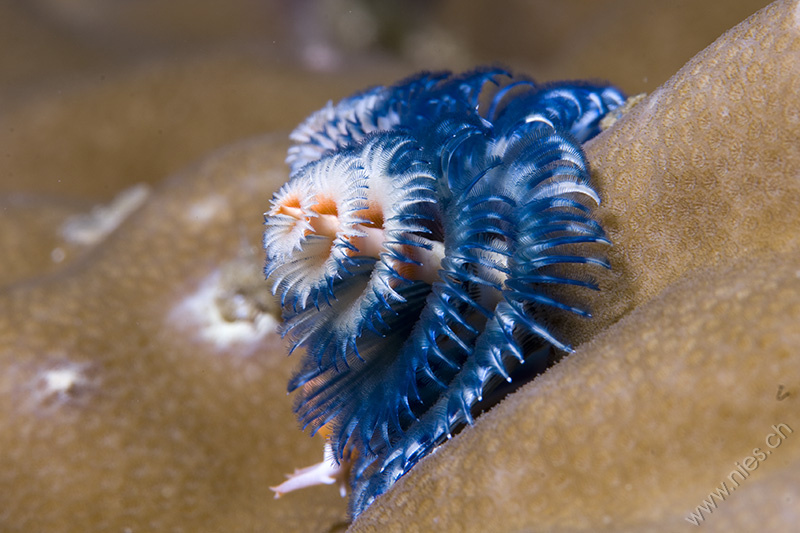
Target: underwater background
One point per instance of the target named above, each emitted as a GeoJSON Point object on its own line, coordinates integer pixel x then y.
{"type": "Point", "coordinates": [142, 381]}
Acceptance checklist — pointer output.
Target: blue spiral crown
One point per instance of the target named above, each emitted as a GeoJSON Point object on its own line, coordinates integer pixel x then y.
{"type": "Point", "coordinates": [417, 250]}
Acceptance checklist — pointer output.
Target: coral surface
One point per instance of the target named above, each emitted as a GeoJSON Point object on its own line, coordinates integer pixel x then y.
{"type": "Point", "coordinates": [702, 200]}
{"type": "Point", "coordinates": [634, 430]}
{"type": "Point", "coordinates": [117, 416]}
{"type": "Point", "coordinates": [142, 387]}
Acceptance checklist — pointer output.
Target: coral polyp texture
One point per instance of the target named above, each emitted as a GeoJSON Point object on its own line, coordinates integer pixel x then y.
{"type": "Point", "coordinates": [418, 249]}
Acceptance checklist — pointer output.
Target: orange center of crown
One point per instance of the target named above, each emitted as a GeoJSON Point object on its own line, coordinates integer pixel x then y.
{"type": "Point", "coordinates": [371, 244]}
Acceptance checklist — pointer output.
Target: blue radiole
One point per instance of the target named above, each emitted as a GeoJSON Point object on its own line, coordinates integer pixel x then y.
{"type": "Point", "coordinates": [417, 250]}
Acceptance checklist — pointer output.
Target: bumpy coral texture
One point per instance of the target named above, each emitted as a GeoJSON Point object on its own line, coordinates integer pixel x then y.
{"type": "Point", "coordinates": [657, 409]}
{"type": "Point", "coordinates": [116, 414]}
{"type": "Point", "coordinates": [115, 417]}
{"type": "Point", "coordinates": [414, 252]}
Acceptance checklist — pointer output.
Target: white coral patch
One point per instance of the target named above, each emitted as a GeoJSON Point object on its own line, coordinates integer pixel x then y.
{"type": "Point", "coordinates": [64, 382]}
{"type": "Point", "coordinates": [200, 312]}
{"type": "Point", "coordinates": [91, 228]}
{"type": "Point", "coordinates": [205, 210]}
{"type": "Point", "coordinates": [57, 254]}
{"type": "Point", "coordinates": [797, 15]}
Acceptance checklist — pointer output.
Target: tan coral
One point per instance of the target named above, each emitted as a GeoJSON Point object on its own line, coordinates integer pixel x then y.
{"type": "Point", "coordinates": [637, 427]}
{"type": "Point", "coordinates": [30, 237]}
{"type": "Point", "coordinates": [703, 170]}
{"type": "Point", "coordinates": [136, 126]}
{"type": "Point", "coordinates": [632, 432]}
{"type": "Point", "coordinates": [141, 124]}
{"type": "Point", "coordinates": [138, 390]}
{"type": "Point", "coordinates": [123, 405]}
{"type": "Point", "coordinates": [41, 235]}
{"type": "Point", "coordinates": [634, 43]}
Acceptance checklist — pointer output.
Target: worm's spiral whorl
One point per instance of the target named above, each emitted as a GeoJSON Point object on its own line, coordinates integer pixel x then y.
{"type": "Point", "coordinates": [415, 250]}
